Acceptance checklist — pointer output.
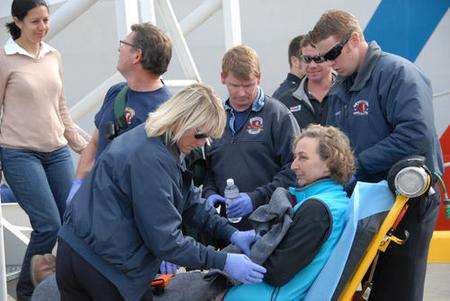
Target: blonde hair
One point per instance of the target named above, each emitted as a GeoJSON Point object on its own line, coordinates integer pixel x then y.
{"type": "Point", "coordinates": [242, 61]}
{"type": "Point", "coordinates": [337, 23]}
{"type": "Point", "coordinates": [333, 148]}
{"type": "Point", "coordinates": [196, 106]}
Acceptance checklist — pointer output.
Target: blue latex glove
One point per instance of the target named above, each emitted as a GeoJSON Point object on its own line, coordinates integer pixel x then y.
{"type": "Point", "coordinates": [244, 240]}
{"type": "Point", "coordinates": [168, 268]}
{"type": "Point", "coordinates": [240, 206]}
{"type": "Point", "coordinates": [213, 199]}
{"type": "Point", "coordinates": [241, 268]}
{"type": "Point", "coordinates": [75, 186]}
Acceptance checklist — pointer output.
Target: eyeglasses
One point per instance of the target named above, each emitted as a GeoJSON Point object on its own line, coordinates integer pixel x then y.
{"type": "Point", "coordinates": [199, 135]}
{"type": "Point", "coordinates": [336, 51]}
{"type": "Point", "coordinates": [317, 59]}
{"type": "Point", "coordinates": [126, 43]}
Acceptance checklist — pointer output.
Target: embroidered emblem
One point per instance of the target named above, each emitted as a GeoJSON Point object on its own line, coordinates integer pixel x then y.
{"type": "Point", "coordinates": [129, 114]}
{"type": "Point", "coordinates": [255, 125]}
{"type": "Point", "coordinates": [295, 109]}
{"type": "Point", "coordinates": [361, 107]}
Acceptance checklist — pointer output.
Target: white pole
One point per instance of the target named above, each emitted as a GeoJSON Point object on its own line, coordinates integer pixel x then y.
{"type": "Point", "coordinates": [2, 260]}
{"type": "Point", "coordinates": [67, 13]}
{"type": "Point", "coordinates": [127, 14]}
{"type": "Point", "coordinates": [147, 11]}
{"type": "Point", "coordinates": [232, 23]}
{"type": "Point", "coordinates": [199, 15]}
{"type": "Point", "coordinates": [179, 43]}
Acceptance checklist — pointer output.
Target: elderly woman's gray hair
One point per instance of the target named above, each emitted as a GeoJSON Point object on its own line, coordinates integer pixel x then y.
{"type": "Point", "coordinates": [333, 148]}
{"type": "Point", "coordinates": [194, 107]}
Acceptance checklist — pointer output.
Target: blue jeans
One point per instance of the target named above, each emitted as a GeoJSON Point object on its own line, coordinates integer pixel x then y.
{"type": "Point", "coordinates": [41, 183]}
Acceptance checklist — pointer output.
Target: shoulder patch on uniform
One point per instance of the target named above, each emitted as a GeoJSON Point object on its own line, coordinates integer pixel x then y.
{"type": "Point", "coordinates": [295, 108]}
{"type": "Point", "coordinates": [361, 107]}
{"type": "Point", "coordinates": [129, 114]}
{"type": "Point", "coordinates": [255, 125]}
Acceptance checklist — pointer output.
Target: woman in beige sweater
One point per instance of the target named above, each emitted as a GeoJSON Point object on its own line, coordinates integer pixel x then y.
{"type": "Point", "coordinates": [35, 129]}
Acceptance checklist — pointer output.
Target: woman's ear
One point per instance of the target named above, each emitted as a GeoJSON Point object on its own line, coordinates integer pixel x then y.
{"type": "Point", "coordinates": [18, 22]}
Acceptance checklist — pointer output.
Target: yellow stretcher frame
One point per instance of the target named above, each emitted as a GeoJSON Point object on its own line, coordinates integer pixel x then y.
{"type": "Point", "coordinates": [379, 243]}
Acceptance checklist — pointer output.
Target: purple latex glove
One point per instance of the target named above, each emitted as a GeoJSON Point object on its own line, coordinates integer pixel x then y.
{"type": "Point", "coordinates": [240, 206]}
{"type": "Point", "coordinates": [168, 268]}
{"type": "Point", "coordinates": [241, 268]}
{"type": "Point", "coordinates": [213, 199]}
{"type": "Point", "coordinates": [75, 186]}
{"type": "Point", "coordinates": [244, 240]}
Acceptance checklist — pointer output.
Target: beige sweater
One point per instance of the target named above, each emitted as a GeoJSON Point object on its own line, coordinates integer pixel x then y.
{"type": "Point", "coordinates": [34, 112]}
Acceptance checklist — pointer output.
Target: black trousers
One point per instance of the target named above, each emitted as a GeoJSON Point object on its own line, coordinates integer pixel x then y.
{"type": "Point", "coordinates": [400, 272]}
{"type": "Point", "coordinates": [79, 281]}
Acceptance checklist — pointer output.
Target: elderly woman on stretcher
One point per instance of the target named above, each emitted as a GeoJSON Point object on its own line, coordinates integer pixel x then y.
{"type": "Point", "coordinates": [297, 230]}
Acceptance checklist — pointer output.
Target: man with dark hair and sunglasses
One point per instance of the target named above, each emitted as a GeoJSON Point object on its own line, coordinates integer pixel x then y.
{"type": "Point", "coordinates": [296, 71]}
{"type": "Point", "coordinates": [308, 103]}
{"type": "Point", "coordinates": [383, 102]}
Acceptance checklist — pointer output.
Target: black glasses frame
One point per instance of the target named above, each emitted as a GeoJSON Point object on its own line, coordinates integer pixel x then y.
{"type": "Point", "coordinates": [336, 51]}
{"type": "Point", "coordinates": [127, 43]}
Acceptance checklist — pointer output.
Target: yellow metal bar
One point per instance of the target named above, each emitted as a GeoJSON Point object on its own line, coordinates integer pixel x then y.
{"type": "Point", "coordinates": [375, 244]}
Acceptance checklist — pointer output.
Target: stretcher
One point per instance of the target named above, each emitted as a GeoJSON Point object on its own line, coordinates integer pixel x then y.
{"type": "Point", "coordinates": [340, 280]}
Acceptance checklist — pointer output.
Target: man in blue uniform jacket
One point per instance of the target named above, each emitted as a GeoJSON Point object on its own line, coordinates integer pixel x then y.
{"type": "Point", "coordinates": [255, 149]}
{"type": "Point", "coordinates": [383, 103]}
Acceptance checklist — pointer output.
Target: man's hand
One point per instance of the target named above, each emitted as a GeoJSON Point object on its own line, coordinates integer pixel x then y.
{"type": "Point", "coordinates": [240, 206]}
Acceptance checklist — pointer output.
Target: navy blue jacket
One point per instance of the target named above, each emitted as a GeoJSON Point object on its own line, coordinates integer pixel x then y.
{"type": "Point", "coordinates": [258, 156]}
{"type": "Point", "coordinates": [127, 215]}
{"type": "Point", "coordinates": [287, 87]}
{"type": "Point", "coordinates": [386, 110]}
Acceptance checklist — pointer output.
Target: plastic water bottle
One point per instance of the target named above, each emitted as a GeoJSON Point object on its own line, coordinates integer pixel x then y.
{"type": "Point", "coordinates": [231, 192]}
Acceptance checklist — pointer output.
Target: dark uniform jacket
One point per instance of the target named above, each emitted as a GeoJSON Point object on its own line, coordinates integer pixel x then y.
{"type": "Point", "coordinates": [289, 85]}
{"type": "Point", "coordinates": [258, 156]}
{"type": "Point", "coordinates": [126, 216]}
{"type": "Point", "coordinates": [386, 110]}
{"type": "Point", "coordinates": [305, 108]}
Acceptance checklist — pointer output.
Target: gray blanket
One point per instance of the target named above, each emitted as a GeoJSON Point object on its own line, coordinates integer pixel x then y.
{"type": "Point", "coordinates": [271, 222]}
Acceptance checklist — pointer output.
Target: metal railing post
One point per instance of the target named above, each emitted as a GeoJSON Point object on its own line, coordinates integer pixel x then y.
{"type": "Point", "coordinates": [2, 260]}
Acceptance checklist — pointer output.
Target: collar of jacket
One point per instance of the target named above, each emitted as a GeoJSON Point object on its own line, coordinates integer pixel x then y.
{"type": "Point", "coordinates": [315, 188]}
{"type": "Point", "coordinates": [300, 93]}
{"type": "Point", "coordinates": [174, 151]}
{"type": "Point", "coordinates": [257, 105]}
{"type": "Point", "coordinates": [365, 71]}
{"type": "Point", "coordinates": [291, 77]}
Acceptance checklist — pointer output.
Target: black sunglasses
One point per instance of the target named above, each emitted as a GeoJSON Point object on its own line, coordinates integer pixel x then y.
{"type": "Point", "coordinates": [317, 59]}
{"type": "Point", "coordinates": [200, 136]}
{"type": "Point", "coordinates": [336, 51]}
